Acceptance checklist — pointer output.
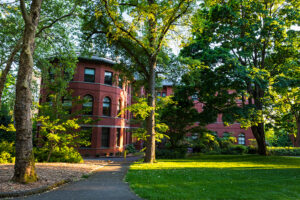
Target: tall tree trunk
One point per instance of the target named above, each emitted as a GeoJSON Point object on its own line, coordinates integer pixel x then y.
{"type": "Point", "coordinates": [298, 132]}
{"type": "Point", "coordinates": [24, 165]}
{"type": "Point", "coordinates": [150, 147]}
{"type": "Point", "coordinates": [259, 134]}
{"type": "Point", "coordinates": [259, 129]}
{"type": "Point", "coordinates": [7, 68]}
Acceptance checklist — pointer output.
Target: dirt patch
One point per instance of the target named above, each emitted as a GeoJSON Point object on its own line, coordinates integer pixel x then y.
{"type": "Point", "coordinates": [48, 173]}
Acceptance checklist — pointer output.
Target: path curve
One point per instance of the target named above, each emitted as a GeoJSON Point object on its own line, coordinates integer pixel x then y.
{"type": "Point", "coordinates": [106, 183]}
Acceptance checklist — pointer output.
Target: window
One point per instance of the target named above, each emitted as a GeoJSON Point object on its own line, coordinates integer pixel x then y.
{"type": "Point", "coordinates": [87, 106]}
{"type": "Point", "coordinates": [105, 137]}
{"type": "Point", "coordinates": [120, 83]}
{"type": "Point", "coordinates": [108, 78]}
{"type": "Point", "coordinates": [89, 75]}
{"type": "Point", "coordinates": [67, 104]}
{"type": "Point", "coordinates": [158, 94]}
{"type": "Point", "coordinates": [106, 106]}
{"type": "Point", "coordinates": [241, 139]}
{"type": "Point", "coordinates": [194, 97]}
{"type": "Point", "coordinates": [86, 135]}
{"type": "Point", "coordinates": [164, 94]}
{"type": "Point", "coordinates": [119, 108]}
{"type": "Point", "coordinates": [118, 137]}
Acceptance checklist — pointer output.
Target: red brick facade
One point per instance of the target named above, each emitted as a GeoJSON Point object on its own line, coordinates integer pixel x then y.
{"type": "Point", "coordinates": [98, 90]}
{"type": "Point", "coordinates": [218, 127]}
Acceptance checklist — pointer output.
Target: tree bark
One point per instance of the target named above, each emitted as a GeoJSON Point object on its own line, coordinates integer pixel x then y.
{"type": "Point", "coordinates": [150, 145]}
{"type": "Point", "coordinates": [259, 129]}
{"type": "Point", "coordinates": [298, 132]}
{"type": "Point", "coordinates": [259, 134]}
{"type": "Point", "coordinates": [24, 165]}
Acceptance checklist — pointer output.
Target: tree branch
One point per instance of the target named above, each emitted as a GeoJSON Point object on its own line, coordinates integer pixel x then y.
{"type": "Point", "coordinates": [171, 20]}
{"type": "Point", "coordinates": [124, 30]}
{"type": "Point", "coordinates": [24, 11]}
{"type": "Point", "coordinates": [56, 20]}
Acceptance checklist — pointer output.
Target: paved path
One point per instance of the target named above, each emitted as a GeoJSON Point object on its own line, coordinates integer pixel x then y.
{"type": "Point", "coordinates": [106, 183]}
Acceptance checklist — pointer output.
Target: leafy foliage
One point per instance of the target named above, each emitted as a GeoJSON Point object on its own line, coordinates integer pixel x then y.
{"type": "Point", "coordinates": [59, 154]}
{"type": "Point", "coordinates": [7, 152]}
{"type": "Point", "coordinates": [241, 46]}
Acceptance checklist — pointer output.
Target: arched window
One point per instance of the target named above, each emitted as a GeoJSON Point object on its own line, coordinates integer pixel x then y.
{"type": "Point", "coordinates": [87, 106]}
{"type": "Point", "coordinates": [106, 106]}
{"type": "Point", "coordinates": [67, 104]}
{"type": "Point", "coordinates": [241, 139]}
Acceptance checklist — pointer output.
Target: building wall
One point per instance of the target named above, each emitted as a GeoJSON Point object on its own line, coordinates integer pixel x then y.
{"type": "Point", "coordinates": [98, 90]}
{"type": "Point", "coordinates": [218, 126]}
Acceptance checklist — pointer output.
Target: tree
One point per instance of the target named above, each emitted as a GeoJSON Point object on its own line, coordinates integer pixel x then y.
{"type": "Point", "coordinates": [137, 30]}
{"type": "Point", "coordinates": [24, 165]}
{"type": "Point", "coordinates": [179, 115]}
{"type": "Point", "coordinates": [252, 39]}
{"type": "Point", "coordinates": [52, 35]}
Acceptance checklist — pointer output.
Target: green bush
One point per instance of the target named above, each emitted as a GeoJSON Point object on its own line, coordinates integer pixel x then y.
{"type": "Point", "coordinates": [171, 153]}
{"type": "Point", "coordinates": [252, 149]}
{"type": "Point", "coordinates": [284, 151]}
{"type": "Point", "coordinates": [238, 149]}
{"type": "Point", "coordinates": [6, 157]}
{"type": "Point", "coordinates": [130, 148]}
{"type": "Point", "coordinates": [7, 152]}
{"type": "Point", "coordinates": [235, 149]}
{"type": "Point", "coordinates": [63, 154]}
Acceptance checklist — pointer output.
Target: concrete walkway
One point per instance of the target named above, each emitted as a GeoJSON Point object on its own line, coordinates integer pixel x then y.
{"type": "Point", "coordinates": [106, 183]}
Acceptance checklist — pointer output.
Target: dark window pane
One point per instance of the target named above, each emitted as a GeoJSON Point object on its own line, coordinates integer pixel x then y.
{"type": "Point", "coordinates": [118, 137]}
{"type": "Point", "coordinates": [105, 137]}
{"type": "Point", "coordinates": [108, 78]}
{"type": "Point", "coordinates": [87, 106]}
{"type": "Point", "coordinates": [89, 75]}
{"type": "Point", "coordinates": [86, 134]}
{"type": "Point", "coordinates": [164, 94]}
{"type": "Point", "coordinates": [106, 106]}
{"type": "Point", "coordinates": [158, 94]}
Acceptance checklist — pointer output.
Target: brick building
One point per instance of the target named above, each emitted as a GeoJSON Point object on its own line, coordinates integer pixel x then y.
{"type": "Point", "coordinates": [106, 94]}
{"type": "Point", "coordinates": [242, 135]}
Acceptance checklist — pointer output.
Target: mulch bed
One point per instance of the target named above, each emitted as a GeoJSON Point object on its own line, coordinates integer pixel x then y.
{"type": "Point", "coordinates": [48, 173]}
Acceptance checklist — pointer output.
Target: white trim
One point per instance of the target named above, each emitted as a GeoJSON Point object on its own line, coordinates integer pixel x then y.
{"type": "Point", "coordinates": [96, 84]}
{"type": "Point", "coordinates": [105, 126]}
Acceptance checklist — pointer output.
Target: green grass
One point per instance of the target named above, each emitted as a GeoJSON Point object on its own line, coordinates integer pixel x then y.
{"type": "Point", "coordinates": [218, 177]}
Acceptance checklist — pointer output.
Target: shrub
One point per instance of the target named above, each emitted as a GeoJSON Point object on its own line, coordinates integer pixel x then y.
{"type": "Point", "coordinates": [63, 154]}
{"type": "Point", "coordinates": [252, 149]}
{"type": "Point", "coordinates": [7, 152]}
{"type": "Point", "coordinates": [6, 157]}
{"type": "Point", "coordinates": [238, 149]}
{"type": "Point", "coordinates": [284, 151]}
{"type": "Point", "coordinates": [235, 149]}
{"type": "Point", "coordinates": [171, 153]}
{"type": "Point", "coordinates": [130, 148]}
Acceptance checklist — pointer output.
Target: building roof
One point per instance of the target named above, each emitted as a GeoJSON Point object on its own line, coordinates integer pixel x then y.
{"type": "Point", "coordinates": [97, 59]}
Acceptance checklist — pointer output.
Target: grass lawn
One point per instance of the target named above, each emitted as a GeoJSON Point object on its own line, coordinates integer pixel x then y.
{"type": "Point", "coordinates": [218, 177]}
